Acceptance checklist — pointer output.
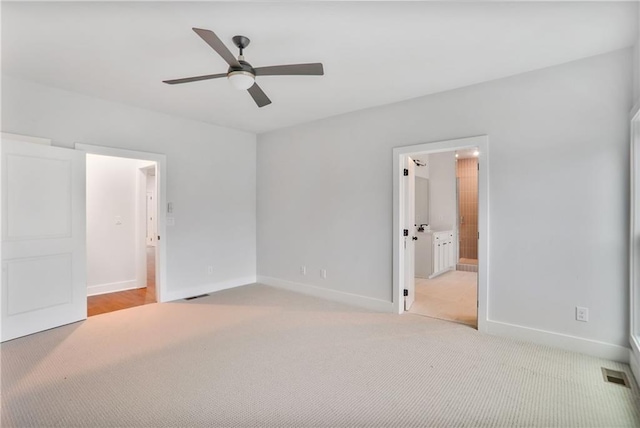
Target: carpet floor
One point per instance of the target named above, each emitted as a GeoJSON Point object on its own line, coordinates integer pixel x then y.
{"type": "Point", "coordinates": [257, 356]}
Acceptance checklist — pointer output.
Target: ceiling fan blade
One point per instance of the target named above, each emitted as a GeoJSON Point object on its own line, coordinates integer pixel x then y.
{"type": "Point", "coordinates": [195, 79]}
{"type": "Point", "coordinates": [314, 69]}
{"type": "Point", "coordinates": [217, 45]}
{"type": "Point", "coordinates": [259, 96]}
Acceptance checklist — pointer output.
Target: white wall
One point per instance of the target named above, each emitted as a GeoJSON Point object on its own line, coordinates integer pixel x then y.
{"type": "Point", "coordinates": [210, 175]}
{"type": "Point", "coordinates": [442, 186]}
{"type": "Point", "coordinates": [636, 65]}
{"type": "Point", "coordinates": [111, 248]}
{"type": "Point", "coordinates": [558, 194]}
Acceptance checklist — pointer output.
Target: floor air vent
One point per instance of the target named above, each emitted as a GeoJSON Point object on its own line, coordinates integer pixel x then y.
{"type": "Point", "coordinates": [614, 376]}
{"type": "Point", "coordinates": [196, 297]}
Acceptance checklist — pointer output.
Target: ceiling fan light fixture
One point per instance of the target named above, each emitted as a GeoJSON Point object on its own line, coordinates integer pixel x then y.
{"type": "Point", "coordinates": [241, 79]}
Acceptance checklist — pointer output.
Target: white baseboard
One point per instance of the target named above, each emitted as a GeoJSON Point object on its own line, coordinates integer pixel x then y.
{"type": "Point", "coordinates": [594, 348]}
{"type": "Point", "coordinates": [94, 290]}
{"type": "Point", "coordinates": [207, 288]}
{"type": "Point", "coordinates": [328, 294]}
{"type": "Point", "coordinates": [634, 359]}
{"type": "Point", "coordinates": [437, 274]}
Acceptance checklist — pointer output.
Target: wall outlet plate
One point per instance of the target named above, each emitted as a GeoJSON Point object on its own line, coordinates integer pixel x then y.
{"type": "Point", "coordinates": [582, 314]}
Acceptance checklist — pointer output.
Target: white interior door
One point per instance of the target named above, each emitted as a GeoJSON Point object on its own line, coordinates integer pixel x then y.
{"type": "Point", "coordinates": [151, 219]}
{"type": "Point", "coordinates": [410, 236]}
{"type": "Point", "coordinates": [43, 238]}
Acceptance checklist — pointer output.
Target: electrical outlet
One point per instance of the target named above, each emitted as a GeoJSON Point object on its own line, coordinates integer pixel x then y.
{"type": "Point", "coordinates": [210, 270]}
{"type": "Point", "coordinates": [303, 270]}
{"type": "Point", "coordinates": [582, 314]}
{"type": "Point", "coordinates": [323, 273]}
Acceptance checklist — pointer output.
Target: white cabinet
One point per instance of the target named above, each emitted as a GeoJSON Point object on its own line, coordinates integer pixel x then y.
{"type": "Point", "coordinates": [435, 253]}
{"type": "Point", "coordinates": [443, 252]}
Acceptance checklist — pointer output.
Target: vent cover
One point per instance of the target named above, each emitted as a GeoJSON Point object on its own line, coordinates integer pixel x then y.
{"type": "Point", "coordinates": [196, 297]}
{"type": "Point", "coordinates": [614, 376]}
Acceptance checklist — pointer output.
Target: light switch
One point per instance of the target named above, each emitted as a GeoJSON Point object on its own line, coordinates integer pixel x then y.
{"type": "Point", "coordinates": [170, 207]}
{"type": "Point", "coordinates": [118, 220]}
{"type": "Point", "coordinates": [171, 221]}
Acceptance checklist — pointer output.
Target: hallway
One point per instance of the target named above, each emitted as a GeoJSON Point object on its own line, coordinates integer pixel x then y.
{"type": "Point", "coordinates": [110, 302]}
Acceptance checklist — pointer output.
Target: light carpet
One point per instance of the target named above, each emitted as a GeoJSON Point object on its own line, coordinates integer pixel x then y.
{"type": "Point", "coordinates": [259, 356]}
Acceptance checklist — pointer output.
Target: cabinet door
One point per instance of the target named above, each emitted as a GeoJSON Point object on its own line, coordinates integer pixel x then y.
{"type": "Point", "coordinates": [445, 255]}
{"type": "Point", "coordinates": [436, 258]}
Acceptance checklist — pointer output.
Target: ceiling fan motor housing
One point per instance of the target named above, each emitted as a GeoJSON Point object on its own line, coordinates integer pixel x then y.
{"type": "Point", "coordinates": [244, 66]}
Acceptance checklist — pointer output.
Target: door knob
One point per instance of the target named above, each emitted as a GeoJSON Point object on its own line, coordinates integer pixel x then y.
{"type": "Point", "coordinates": [415, 238]}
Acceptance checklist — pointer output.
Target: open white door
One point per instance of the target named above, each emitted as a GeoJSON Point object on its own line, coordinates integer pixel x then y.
{"type": "Point", "coordinates": [151, 219]}
{"type": "Point", "coordinates": [43, 238]}
{"type": "Point", "coordinates": [410, 233]}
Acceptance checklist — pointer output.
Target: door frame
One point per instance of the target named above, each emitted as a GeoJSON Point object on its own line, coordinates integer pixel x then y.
{"type": "Point", "coordinates": [161, 196]}
{"type": "Point", "coordinates": [399, 157]}
{"type": "Point", "coordinates": [634, 243]}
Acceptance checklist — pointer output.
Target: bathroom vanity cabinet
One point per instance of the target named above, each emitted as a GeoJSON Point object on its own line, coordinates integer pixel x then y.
{"type": "Point", "coordinates": [434, 253]}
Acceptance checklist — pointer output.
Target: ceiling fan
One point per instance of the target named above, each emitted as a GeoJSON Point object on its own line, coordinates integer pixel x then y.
{"type": "Point", "coordinates": [241, 74]}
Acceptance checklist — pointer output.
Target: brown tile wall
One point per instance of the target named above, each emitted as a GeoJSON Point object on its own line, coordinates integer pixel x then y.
{"type": "Point", "coordinates": [467, 173]}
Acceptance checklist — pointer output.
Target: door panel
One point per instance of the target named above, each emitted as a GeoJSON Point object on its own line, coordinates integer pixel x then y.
{"type": "Point", "coordinates": [409, 224]}
{"type": "Point", "coordinates": [51, 181]}
{"type": "Point", "coordinates": [43, 238]}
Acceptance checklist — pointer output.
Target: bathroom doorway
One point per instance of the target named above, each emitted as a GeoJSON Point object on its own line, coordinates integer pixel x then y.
{"type": "Point", "coordinates": [440, 265]}
{"type": "Point", "coordinates": [446, 222]}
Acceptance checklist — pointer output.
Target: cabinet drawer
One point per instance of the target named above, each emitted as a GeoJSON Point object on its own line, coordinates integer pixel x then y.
{"type": "Point", "coordinates": [442, 236]}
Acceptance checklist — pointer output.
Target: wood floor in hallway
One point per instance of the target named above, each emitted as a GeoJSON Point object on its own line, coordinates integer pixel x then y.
{"type": "Point", "coordinates": [110, 302]}
{"type": "Point", "coordinates": [451, 296]}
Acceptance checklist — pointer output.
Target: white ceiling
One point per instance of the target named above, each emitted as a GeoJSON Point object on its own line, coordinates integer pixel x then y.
{"type": "Point", "coordinates": [374, 53]}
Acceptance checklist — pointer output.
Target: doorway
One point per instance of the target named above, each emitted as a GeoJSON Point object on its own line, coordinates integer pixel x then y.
{"type": "Point", "coordinates": [445, 236]}
{"type": "Point", "coordinates": [120, 212]}
{"type": "Point", "coordinates": [125, 225]}
{"type": "Point", "coordinates": [436, 241]}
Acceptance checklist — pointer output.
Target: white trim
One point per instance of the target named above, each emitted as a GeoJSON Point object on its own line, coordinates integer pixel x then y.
{"type": "Point", "coordinates": [94, 290]}
{"type": "Point", "coordinates": [328, 294]}
{"type": "Point", "coordinates": [399, 155]}
{"type": "Point", "coordinates": [567, 342]}
{"type": "Point", "coordinates": [161, 184]}
{"type": "Point", "coordinates": [437, 274]}
{"type": "Point", "coordinates": [634, 111]}
{"type": "Point", "coordinates": [634, 232]}
{"type": "Point", "coordinates": [634, 359]}
{"type": "Point", "coordinates": [209, 288]}
{"type": "Point", "coordinates": [25, 139]}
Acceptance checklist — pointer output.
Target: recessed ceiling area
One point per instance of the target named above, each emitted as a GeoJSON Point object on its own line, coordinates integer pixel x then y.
{"type": "Point", "coordinates": [374, 53]}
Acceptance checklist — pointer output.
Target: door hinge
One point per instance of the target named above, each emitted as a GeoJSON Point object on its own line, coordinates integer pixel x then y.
{"type": "Point", "coordinates": [406, 292]}
{"type": "Point", "coordinates": [478, 235]}
{"type": "Point", "coordinates": [405, 232]}
{"type": "Point", "coordinates": [158, 237]}
{"type": "Point", "coordinates": [478, 165]}
{"type": "Point", "coordinates": [406, 172]}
